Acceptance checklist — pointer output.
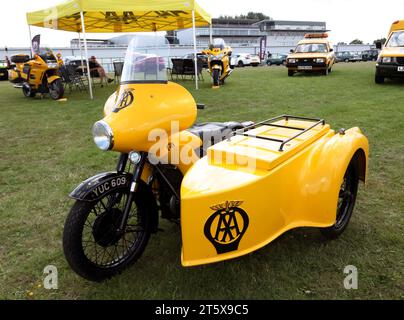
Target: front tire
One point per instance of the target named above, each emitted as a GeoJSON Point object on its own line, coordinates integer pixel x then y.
{"type": "Point", "coordinates": [290, 73]}
{"type": "Point", "coordinates": [346, 201]}
{"type": "Point", "coordinates": [240, 64]}
{"type": "Point", "coordinates": [93, 247]}
{"type": "Point", "coordinates": [56, 90]}
{"type": "Point", "coordinates": [379, 79]}
{"type": "Point", "coordinates": [216, 76]}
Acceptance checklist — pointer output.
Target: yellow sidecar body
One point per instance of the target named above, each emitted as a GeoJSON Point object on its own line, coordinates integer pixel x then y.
{"type": "Point", "coordinates": [284, 173]}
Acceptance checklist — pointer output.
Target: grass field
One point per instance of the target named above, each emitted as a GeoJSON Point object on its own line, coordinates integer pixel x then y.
{"type": "Point", "coordinates": [47, 149]}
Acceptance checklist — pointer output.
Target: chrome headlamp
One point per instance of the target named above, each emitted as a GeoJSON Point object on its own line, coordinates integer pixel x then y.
{"type": "Point", "coordinates": [103, 135]}
{"type": "Point", "coordinates": [320, 60]}
{"type": "Point", "coordinates": [292, 60]}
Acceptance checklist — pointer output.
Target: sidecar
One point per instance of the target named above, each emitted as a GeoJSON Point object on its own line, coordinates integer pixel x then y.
{"type": "Point", "coordinates": [280, 174]}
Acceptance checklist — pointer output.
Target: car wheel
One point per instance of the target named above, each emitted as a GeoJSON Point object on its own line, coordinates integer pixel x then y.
{"type": "Point", "coordinates": [346, 60]}
{"type": "Point", "coordinates": [240, 64]}
{"type": "Point", "coordinates": [346, 201]}
{"type": "Point", "coordinates": [379, 79]}
{"type": "Point", "coordinates": [290, 73]}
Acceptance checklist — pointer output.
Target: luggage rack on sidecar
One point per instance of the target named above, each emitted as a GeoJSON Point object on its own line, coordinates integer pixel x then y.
{"type": "Point", "coordinates": [271, 123]}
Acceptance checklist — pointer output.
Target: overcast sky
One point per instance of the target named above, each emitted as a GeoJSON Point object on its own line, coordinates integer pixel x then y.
{"type": "Point", "coordinates": [347, 19]}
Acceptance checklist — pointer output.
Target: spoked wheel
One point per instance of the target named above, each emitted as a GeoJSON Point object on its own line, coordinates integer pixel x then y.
{"type": "Point", "coordinates": [56, 89]}
{"type": "Point", "coordinates": [93, 246]}
{"type": "Point", "coordinates": [346, 202]}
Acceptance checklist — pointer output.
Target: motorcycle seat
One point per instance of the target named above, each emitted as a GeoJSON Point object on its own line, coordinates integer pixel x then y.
{"type": "Point", "coordinates": [213, 132]}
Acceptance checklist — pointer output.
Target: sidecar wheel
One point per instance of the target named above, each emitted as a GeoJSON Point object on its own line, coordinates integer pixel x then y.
{"type": "Point", "coordinates": [346, 201]}
{"type": "Point", "coordinates": [93, 248]}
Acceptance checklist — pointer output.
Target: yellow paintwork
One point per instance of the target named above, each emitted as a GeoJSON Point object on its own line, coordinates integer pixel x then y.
{"type": "Point", "coordinates": [154, 107]}
{"type": "Point", "coordinates": [38, 67]}
{"type": "Point", "coordinates": [294, 188]}
{"type": "Point", "coordinates": [329, 56]}
{"type": "Point", "coordinates": [393, 51]}
{"type": "Point", "coordinates": [278, 190]}
{"type": "Point", "coordinates": [397, 25]}
{"type": "Point", "coordinates": [120, 16]}
{"type": "Point", "coordinates": [214, 52]}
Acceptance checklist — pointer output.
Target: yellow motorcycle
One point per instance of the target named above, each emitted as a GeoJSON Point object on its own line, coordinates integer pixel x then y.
{"type": "Point", "coordinates": [37, 75]}
{"type": "Point", "coordinates": [219, 61]}
{"type": "Point", "coordinates": [231, 187]}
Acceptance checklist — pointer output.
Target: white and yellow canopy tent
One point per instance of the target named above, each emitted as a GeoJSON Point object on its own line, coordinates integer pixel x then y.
{"type": "Point", "coordinates": [122, 16]}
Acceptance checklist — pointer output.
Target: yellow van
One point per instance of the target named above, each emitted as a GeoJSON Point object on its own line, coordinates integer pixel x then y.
{"type": "Point", "coordinates": [390, 63]}
{"type": "Point", "coordinates": [312, 54]}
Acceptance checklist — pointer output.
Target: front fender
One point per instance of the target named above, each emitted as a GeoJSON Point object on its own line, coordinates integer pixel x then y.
{"type": "Point", "coordinates": [52, 79]}
{"type": "Point", "coordinates": [95, 187]}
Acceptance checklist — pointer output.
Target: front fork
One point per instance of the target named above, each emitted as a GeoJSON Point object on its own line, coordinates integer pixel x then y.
{"type": "Point", "coordinates": [137, 173]}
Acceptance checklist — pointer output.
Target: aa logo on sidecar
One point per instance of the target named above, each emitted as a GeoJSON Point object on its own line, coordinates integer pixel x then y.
{"type": "Point", "coordinates": [125, 99]}
{"type": "Point", "coordinates": [226, 226]}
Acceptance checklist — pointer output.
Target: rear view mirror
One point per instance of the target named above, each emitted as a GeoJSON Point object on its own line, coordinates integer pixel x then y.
{"type": "Point", "coordinates": [378, 45]}
{"type": "Point", "coordinates": [292, 51]}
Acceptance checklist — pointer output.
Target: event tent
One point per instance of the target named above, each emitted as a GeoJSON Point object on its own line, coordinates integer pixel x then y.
{"type": "Point", "coordinates": [122, 16]}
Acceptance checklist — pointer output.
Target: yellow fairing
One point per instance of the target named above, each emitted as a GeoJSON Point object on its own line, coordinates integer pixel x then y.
{"type": "Point", "coordinates": [143, 115]}
{"type": "Point", "coordinates": [282, 190]}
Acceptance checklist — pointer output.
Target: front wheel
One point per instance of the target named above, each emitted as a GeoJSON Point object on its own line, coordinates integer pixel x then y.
{"type": "Point", "coordinates": [291, 73]}
{"type": "Point", "coordinates": [92, 244]}
{"type": "Point", "coordinates": [216, 76]}
{"type": "Point", "coordinates": [56, 89]}
{"type": "Point", "coordinates": [346, 202]}
{"type": "Point", "coordinates": [379, 79]}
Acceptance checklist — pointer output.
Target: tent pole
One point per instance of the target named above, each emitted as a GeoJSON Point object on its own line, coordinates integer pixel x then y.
{"type": "Point", "coordinates": [195, 57]}
{"type": "Point", "coordinates": [83, 29]}
{"type": "Point", "coordinates": [211, 33]}
{"type": "Point", "coordinates": [30, 39]}
{"type": "Point", "coordinates": [81, 53]}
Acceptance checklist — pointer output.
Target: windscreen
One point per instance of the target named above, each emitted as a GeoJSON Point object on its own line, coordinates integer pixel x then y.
{"type": "Point", "coordinates": [312, 47]}
{"type": "Point", "coordinates": [218, 43]}
{"type": "Point", "coordinates": [47, 55]}
{"type": "Point", "coordinates": [145, 59]}
{"type": "Point", "coordinates": [396, 39]}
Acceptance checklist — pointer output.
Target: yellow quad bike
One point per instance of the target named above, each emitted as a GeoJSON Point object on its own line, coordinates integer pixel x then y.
{"type": "Point", "coordinates": [232, 187]}
{"type": "Point", "coordinates": [219, 59]}
{"type": "Point", "coordinates": [37, 75]}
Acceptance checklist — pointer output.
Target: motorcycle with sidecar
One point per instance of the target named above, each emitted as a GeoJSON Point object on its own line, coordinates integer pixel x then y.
{"type": "Point", "coordinates": [231, 187]}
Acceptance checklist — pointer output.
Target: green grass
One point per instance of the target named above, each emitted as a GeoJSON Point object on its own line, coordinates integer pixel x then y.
{"type": "Point", "coordinates": [47, 149]}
